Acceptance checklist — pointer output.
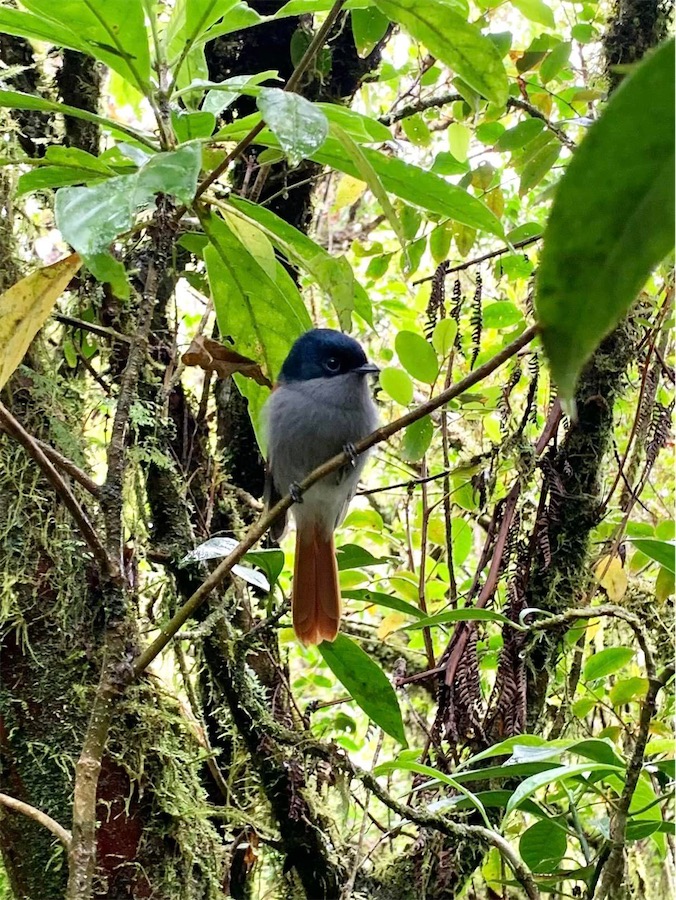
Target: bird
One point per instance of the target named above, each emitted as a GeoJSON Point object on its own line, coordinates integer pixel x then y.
{"type": "Point", "coordinates": [320, 406]}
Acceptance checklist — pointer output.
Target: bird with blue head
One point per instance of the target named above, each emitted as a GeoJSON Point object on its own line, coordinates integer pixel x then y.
{"type": "Point", "coordinates": [320, 406]}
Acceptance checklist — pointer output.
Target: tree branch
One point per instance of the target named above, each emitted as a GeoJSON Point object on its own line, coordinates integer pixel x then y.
{"type": "Point", "coordinates": [37, 816]}
{"type": "Point", "coordinates": [35, 451]}
{"type": "Point", "coordinates": [257, 531]}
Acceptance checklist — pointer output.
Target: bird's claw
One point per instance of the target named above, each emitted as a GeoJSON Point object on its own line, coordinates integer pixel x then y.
{"type": "Point", "coordinates": [351, 451]}
{"type": "Point", "coordinates": [295, 492]}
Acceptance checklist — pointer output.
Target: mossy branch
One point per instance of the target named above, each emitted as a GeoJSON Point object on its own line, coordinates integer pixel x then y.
{"type": "Point", "coordinates": [257, 531]}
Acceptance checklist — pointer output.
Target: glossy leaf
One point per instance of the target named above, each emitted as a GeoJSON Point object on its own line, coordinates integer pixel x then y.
{"type": "Point", "coordinates": [450, 38]}
{"type": "Point", "coordinates": [553, 776]}
{"type": "Point", "coordinates": [114, 33]}
{"type": "Point", "coordinates": [662, 552]}
{"type": "Point", "coordinates": [366, 682]}
{"type": "Point", "coordinates": [386, 600]}
{"type": "Point", "coordinates": [368, 27]}
{"type": "Point", "coordinates": [543, 846]}
{"type": "Point", "coordinates": [536, 11]}
{"type": "Point", "coordinates": [443, 337]}
{"type": "Point", "coordinates": [299, 125]}
{"type": "Point", "coordinates": [620, 185]}
{"type": "Point", "coordinates": [461, 615]}
{"type": "Point", "coordinates": [607, 662]}
{"type": "Point", "coordinates": [332, 273]}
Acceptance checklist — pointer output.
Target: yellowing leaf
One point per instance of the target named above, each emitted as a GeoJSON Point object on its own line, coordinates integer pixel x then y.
{"type": "Point", "coordinates": [25, 307]}
{"type": "Point", "coordinates": [390, 623]}
{"type": "Point", "coordinates": [612, 577]}
{"type": "Point", "coordinates": [349, 191]}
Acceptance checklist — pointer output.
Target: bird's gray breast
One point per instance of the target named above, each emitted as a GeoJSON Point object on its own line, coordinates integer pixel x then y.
{"type": "Point", "coordinates": [308, 422]}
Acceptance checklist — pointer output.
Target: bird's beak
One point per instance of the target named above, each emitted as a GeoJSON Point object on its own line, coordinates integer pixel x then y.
{"type": "Point", "coordinates": [367, 369]}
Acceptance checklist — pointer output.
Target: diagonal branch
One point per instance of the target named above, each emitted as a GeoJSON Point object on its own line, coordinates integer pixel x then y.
{"type": "Point", "coordinates": [31, 446]}
{"type": "Point", "coordinates": [37, 816]}
{"type": "Point", "coordinates": [257, 531]}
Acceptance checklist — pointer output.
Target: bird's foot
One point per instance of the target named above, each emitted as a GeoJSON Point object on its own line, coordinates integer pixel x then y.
{"type": "Point", "coordinates": [351, 451]}
{"type": "Point", "coordinates": [295, 492]}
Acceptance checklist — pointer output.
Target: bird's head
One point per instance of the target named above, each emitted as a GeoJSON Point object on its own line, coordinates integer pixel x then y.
{"type": "Point", "coordinates": [325, 353]}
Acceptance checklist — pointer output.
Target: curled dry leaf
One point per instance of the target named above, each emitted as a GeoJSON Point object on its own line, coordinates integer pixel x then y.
{"type": "Point", "coordinates": [213, 356]}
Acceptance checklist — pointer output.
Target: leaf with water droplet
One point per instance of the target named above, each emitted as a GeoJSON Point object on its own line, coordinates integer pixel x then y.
{"type": "Point", "coordinates": [299, 126]}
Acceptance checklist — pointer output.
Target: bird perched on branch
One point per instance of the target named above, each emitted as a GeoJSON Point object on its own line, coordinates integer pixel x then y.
{"type": "Point", "coordinates": [320, 406]}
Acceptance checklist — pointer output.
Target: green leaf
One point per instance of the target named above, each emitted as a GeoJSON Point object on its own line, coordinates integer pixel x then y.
{"type": "Point", "coordinates": [411, 765]}
{"type": "Point", "coordinates": [45, 177]}
{"type": "Point", "coordinates": [628, 689]}
{"type": "Point", "coordinates": [606, 662]}
{"type": "Point", "coordinates": [536, 11]}
{"type": "Point", "coordinates": [333, 274]}
{"type": "Point", "coordinates": [190, 20]}
{"type": "Point", "coordinates": [543, 846]}
{"type": "Point", "coordinates": [417, 356]}
{"type": "Point", "coordinates": [366, 682]}
{"type": "Point", "coordinates": [397, 384]}
{"type": "Point", "coordinates": [270, 561]}
{"type": "Point", "coordinates": [460, 615]}
{"type": "Point", "coordinates": [38, 28]}
{"type": "Point", "coordinates": [254, 310]}
{"type": "Point", "coordinates": [352, 556]}
{"type": "Point", "coordinates": [19, 100]}
{"type": "Point", "coordinates": [368, 27]}
{"type": "Point", "coordinates": [451, 39]}
{"type": "Point", "coordinates": [417, 439]}
{"type": "Point", "coordinates": [113, 32]}
{"type": "Point", "coordinates": [520, 135]}
{"type": "Point", "coordinates": [380, 599]}
{"type": "Point", "coordinates": [367, 172]}
{"type": "Point", "coordinates": [554, 776]}
{"type": "Point", "coordinates": [443, 337]}
{"type": "Point", "coordinates": [190, 126]}
{"type": "Point", "coordinates": [299, 125]}
{"type": "Point", "coordinates": [173, 173]}
{"type": "Point", "coordinates": [501, 314]}
{"type": "Point", "coordinates": [620, 185]}
{"type": "Point", "coordinates": [361, 128]}
{"type": "Point", "coordinates": [537, 167]}
{"type": "Point", "coordinates": [410, 183]}
{"type": "Point", "coordinates": [555, 61]}
{"type": "Point", "coordinates": [459, 137]}
{"type": "Point", "coordinates": [661, 552]}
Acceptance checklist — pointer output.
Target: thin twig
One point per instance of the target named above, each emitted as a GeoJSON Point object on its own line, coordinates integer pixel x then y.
{"type": "Point", "coordinates": [257, 531]}
{"type": "Point", "coordinates": [303, 65]}
{"type": "Point", "coordinates": [93, 327]}
{"type": "Point", "coordinates": [479, 259]}
{"type": "Point", "coordinates": [30, 445]}
{"type": "Point", "coordinates": [37, 816]}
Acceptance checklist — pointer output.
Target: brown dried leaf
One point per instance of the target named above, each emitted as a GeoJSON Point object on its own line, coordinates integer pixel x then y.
{"type": "Point", "coordinates": [213, 356]}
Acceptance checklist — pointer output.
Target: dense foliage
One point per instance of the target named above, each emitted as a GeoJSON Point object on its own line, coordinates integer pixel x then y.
{"type": "Point", "coordinates": [482, 193]}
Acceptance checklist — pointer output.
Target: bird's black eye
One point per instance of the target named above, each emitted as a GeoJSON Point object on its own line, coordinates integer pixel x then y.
{"type": "Point", "coordinates": [332, 365]}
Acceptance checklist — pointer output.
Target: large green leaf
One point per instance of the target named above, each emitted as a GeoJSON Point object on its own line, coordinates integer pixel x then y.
{"type": "Point", "coordinates": [366, 682]}
{"type": "Point", "coordinates": [448, 36]}
{"type": "Point", "coordinates": [607, 662]}
{"type": "Point", "coordinates": [410, 183]}
{"type": "Point", "coordinates": [261, 314]}
{"type": "Point", "coordinates": [91, 218]}
{"type": "Point", "coordinates": [19, 100]}
{"type": "Point", "coordinates": [543, 845]}
{"type": "Point", "coordinates": [460, 615]}
{"type": "Point", "coordinates": [36, 28]}
{"type": "Point", "coordinates": [612, 219]}
{"type": "Point", "coordinates": [300, 126]}
{"type": "Point", "coordinates": [553, 776]}
{"type": "Point", "coordinates": [190, 20]}
{"type": "Point", "coordinates": [332, 273]}
{"type": "Point", "coordinates": [113, 32]}
{"type": "Point", "coordinates": [660, 551]}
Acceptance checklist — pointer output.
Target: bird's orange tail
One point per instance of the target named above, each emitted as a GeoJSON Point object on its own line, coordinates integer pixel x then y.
{"type": "Point", "coordinates": [315, 597]}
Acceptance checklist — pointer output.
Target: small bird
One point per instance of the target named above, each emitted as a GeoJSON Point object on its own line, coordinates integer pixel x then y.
{"type": "Point", "coordinates": [320, 406]}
